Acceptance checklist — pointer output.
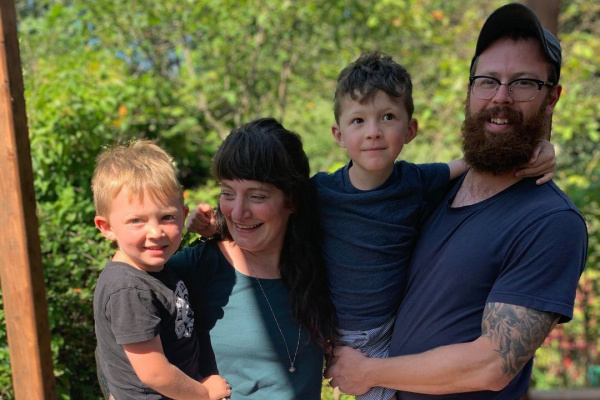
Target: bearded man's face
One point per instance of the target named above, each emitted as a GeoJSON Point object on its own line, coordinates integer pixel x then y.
{"type": "Point", "coordinates": [500, 152]}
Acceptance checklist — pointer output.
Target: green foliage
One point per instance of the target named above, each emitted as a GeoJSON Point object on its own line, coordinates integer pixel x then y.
{"type": "Point", "coordinates": [186, 72]}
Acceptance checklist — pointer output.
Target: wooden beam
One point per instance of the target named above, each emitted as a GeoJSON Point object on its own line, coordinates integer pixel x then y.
{"type": "Point", "coordinates": [21, 272]}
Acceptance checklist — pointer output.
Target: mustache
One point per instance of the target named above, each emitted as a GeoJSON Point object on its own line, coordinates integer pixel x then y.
{"type": "Point", "coordinates": [513, 116]}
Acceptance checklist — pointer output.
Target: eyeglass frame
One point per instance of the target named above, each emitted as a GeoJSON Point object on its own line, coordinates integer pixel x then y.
{"type": "Point", "coordinates": [540, 84]}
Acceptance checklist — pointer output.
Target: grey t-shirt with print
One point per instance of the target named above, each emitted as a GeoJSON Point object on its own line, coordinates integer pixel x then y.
{"type": "Point", "coordinates": [132, 306]}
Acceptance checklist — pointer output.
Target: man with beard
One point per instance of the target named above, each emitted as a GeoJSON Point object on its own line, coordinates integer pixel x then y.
{"type": "Point", "coordinates": [497, 264]}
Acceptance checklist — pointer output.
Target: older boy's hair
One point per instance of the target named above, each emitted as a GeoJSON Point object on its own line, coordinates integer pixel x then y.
{"type": "Point", "coordinates": [370, 73]}
{"type": "Point", "coordinates": [141, 167]}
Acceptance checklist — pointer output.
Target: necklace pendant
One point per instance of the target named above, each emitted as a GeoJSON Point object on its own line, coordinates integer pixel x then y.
{"type": "Point", "coordinates": [292, 369]}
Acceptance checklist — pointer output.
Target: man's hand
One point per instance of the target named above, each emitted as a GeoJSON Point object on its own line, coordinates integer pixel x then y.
{"type": "Point", "coordinates": [346, 371]}
{"type": "Point", "coordinates": [202, 220]}
{"type": "Point", "coordinates": [217, 387]}
{"type": "Point", "coordinates": [542, 162]}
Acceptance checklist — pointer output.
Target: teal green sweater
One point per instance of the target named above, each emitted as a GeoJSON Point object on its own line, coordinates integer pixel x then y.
{"type": "Point", "coordinates": [248, 346]}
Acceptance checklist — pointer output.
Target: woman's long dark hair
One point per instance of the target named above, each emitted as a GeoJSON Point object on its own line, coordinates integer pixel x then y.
{"type": "Point", "coordinates": [264, 151]}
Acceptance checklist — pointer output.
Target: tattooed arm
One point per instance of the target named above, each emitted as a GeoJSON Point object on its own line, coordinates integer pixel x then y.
{"type": "Point", "coordinates": [516, 333]}
{"type": "Point", "coordinates": [510, 336]}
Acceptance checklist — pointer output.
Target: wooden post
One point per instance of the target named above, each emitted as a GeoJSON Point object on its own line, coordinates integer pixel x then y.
{"type": "Point", "coordinates": [21, 272]}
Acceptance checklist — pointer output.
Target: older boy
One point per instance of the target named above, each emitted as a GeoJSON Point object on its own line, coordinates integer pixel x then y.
{"type": "Point", "coordinates": [147, 346]}
{"type": "Point", "coordinates": [371, 209]}
{"type": "Point", "coordinates": [497, 263]}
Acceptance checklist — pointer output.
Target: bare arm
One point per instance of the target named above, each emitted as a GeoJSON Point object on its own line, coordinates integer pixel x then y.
{"type": "Point", "coordinates": [542, 162]}
{"type": "Point", "coordinates": [510, 336]}
{"type": "Point", "coordinates": [457, 168]}
{"type": "Point", "coordinates": [152, 367]}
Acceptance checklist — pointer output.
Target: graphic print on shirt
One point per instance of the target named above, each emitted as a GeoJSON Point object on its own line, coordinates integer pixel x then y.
{"type": "Point", "coordinates": [184, 324]}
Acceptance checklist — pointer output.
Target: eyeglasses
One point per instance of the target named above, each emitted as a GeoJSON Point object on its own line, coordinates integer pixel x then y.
{"type": "Point", "coordinates": [524, 89]}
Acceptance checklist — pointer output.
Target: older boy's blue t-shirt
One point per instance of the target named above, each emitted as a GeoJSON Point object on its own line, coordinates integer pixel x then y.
{"type": "Point", "coordinates": [369, 236]}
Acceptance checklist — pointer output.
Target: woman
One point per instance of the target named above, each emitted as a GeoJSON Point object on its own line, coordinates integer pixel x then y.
{"type": "Point", "coordinates": [260, 287]}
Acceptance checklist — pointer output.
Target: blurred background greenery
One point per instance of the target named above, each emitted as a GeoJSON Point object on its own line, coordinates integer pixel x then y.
{"type": "Point", "coordinates": [185, 72]}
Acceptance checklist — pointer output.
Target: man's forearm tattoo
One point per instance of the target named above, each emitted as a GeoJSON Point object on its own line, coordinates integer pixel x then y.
{"type": "Point", "coordinates": [517, 332]}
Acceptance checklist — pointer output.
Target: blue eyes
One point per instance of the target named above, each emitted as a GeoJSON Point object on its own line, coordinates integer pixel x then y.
{"type": "Point", "coordinates": [386, 117]}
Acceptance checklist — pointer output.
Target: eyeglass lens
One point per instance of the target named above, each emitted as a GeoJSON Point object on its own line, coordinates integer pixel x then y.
{"type": "Point", "coordinates": [520, 89]}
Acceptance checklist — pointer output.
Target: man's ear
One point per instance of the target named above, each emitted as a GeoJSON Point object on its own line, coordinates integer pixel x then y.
{"type": "Point", "coordinates": [104, 227]}
{"type": "Point", "coordinates": [337, 134]}
{"type": "Point", "coordinates": [413, 128]}
{"type": "Point", "coordinates": [554, 96]}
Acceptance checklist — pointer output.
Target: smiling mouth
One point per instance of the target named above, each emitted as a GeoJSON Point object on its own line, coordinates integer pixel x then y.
{"type": "Point", "coordinates": [247, 227]}
{"type": "Point", "coordinates": [499, 121]}
{"type": "Point", "coordinates": [156, 247]}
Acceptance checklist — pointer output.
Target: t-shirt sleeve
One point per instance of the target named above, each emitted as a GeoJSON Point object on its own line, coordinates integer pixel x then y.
{"type": "Point", "coordinates": [544, 265]}
{"type": "Point", "coordinates": [134, 315]}
{"type": "Point", "coordinates": [434, 180]}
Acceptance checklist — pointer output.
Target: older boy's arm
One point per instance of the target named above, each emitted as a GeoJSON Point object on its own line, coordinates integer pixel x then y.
{"type": "Point", "coordinates": [457, 168]}
{"type": "Point", "coordinates": [152, 367]}
{"type": "Point", "coordinates": [510, 336]}
{"type": "Point", "coordinates": [542, 162]}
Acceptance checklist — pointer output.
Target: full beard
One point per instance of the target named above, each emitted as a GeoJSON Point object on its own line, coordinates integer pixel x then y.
{"type": "Point", "coordinates": [497, 153]}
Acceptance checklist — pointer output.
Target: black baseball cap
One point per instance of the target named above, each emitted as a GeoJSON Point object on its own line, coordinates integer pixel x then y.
{"type": "Point", "coordinates": [517, 17]}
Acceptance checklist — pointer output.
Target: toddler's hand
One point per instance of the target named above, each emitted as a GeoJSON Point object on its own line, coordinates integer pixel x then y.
{"type": "Point", "coordinates": [217, 387]}
{"type": "Point", "coordinates": [202, 220]}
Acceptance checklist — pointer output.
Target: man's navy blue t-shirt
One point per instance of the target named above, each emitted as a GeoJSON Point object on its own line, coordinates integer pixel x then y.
{"type": "Point", "coordinates": [525, 246]}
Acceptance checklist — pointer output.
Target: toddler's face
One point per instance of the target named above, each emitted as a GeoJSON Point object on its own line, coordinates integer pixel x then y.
{"type": "Point", "coordinates": [147, 233]}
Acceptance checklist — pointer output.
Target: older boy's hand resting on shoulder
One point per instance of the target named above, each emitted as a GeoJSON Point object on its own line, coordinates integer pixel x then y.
{"type": "Point", "coordinates": [542, 162]}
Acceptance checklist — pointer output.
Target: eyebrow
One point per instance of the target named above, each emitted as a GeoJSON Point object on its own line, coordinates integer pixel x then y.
{"type": "Point", "coordinates": [261, 188]}
{"type": "Point", "coordinates": [518, 75]}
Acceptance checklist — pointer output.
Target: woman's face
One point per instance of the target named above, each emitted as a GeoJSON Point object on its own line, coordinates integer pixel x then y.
{"type": "Point", "coordinates": [256, 213]}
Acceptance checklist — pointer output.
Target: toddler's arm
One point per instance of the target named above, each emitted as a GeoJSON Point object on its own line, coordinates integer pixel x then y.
{"type": "Point", "coordinates": [152, 367]}
{"type": "Point", "coordinates": [542, 162]}
{"type": "Point", "coordinates": [202, 220]}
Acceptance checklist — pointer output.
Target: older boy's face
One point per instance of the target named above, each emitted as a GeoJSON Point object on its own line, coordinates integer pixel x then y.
{"type": "Point", "coordinates": [147, 233]}
{"type": "Point", "coordinates": [374, 133]}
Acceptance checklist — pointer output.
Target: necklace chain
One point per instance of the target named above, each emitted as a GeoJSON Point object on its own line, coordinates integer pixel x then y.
{"type": "Point", "coordinates": [292, 361]}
